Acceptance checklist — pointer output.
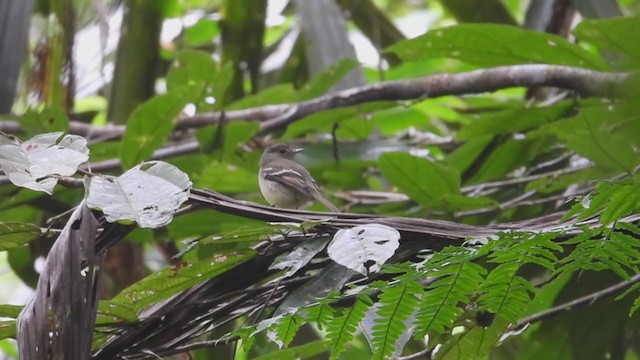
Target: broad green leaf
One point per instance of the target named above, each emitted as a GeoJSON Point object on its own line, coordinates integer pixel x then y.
{"type": "Point", "coordinates": [151, 123]}
{"type": "Point", "coordinates": [191, 67]}
{"type": "Point", "coordinates": [588, 135]}
{"type": "Point", "coordinates": [200, 223]}
{"type": "Point", "coordinates": [494, 45]}
{"type": "Point", "coordinates": [17, 234]}
{"type": "Point", "coordinates": [425, 181]}
{"type": "Point", "coordinates": [164, 283]}
{"type": "Point", "coordinates": [512, 120]}
{"type": "Point", "coordinates": [112, 312]}
{"type": "Point", "coordinates": [507, 157]}
{"type": "Point", "coordinates": [464, 156]}
{"type": "Point", "coordinates": [322, 82]}
{"type": "Point", "coordinates": [323, 121]}
{"type": "Point", "coordinates": [277, 94]}
{"type": "Point", "coordinates": [616, 34]}
{"type": "Point", "coordinates": [202, 32]}
{"type": "Point", "coordinates": [47, 120]}
{"type": "Point", "coordinates": [286, 93]}
{"type": "Point", "coordinates": [227, 178]}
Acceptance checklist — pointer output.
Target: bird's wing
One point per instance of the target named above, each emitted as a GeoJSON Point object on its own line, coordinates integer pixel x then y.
{"type": "Point", "coordinates": [295, 177]}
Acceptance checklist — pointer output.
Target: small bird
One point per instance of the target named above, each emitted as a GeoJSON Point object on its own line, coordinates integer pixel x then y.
{"type": "Point", "coordinates": [285, 183]}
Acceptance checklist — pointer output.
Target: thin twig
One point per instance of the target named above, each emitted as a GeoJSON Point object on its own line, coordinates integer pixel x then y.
{"type": "Point", "coordinates": [424, 354]}
{"type": "Point", "coordinates": [522, 179]}
{"type": "Point", "coordinates": [581, 301]}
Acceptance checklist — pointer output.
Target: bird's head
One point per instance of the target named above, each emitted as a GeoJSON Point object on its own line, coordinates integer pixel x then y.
{"type": "Point", "coordinates": [283, 150]}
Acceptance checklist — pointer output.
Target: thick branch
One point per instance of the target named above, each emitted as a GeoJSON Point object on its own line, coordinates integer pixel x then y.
{"type": "Point", "coordinates": [273, 117]}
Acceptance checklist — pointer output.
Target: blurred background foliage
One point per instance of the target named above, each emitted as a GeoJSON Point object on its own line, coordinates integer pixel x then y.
{"type": "Point", "coordinates": [514, 154]}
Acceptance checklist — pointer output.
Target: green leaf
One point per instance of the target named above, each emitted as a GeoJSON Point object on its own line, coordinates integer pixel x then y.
{"type": "Point", "coordinates": [277, 94]}
{"type": "Point", "coordinates": [504, 293]}
{"type": "Point", "coordinates": [342, 329]}
{"type": "Point", "coordinates": [507, 157]}
{"type": "Point", "coordinates": [16, 234]}
{"type": "Point", "coordinates": [589, 135]}
{"type": "Point", "coordinates": [512, 120]}
{"type": "Point", "coordinates": [465, 155]}
{"type": "Point", "coordinates": [11, 311]}
{"type": "Point", "coordinates": [167, 282]}
{"type": "Point", "coordinates": [424, 181]}
{"type": "Point", "coordinates": [305, 351]}
{"type": "Point", "coordinates": [44, 121]}
{"type": "Point", "coordinates": [323, 121]}
{"type": "Point", "coordinates": [493, 45]}
{"type": "Point", "coordinates": [192, 67]}
{"type": "Point", "coordinates": [616, 34]}
{"type": "Point", "coordinates": [286, 93]}
{"type": "Point", "coordinates": [322, 82]}
{"type": "Point", "coordinates": [397, 303]}
{"type": "Point", "coordinates": [617, 252]}
{"type": "Point", "coordinates": [227, 178]}
{"type": "Point", "coordinates": [440, 305]}
{"type": "Point", "coordinates": [286, 329]}
{"type": "Point", "coordinates": [151, 123]}
{"type": "Point", "coordinates": [7, 329]}
{"type": "Point", "coordinates": [472, 344]}
{"type": "Point", "coordinates": [202, 32]}
{"type": "Point", "coordinates": [112, 312]}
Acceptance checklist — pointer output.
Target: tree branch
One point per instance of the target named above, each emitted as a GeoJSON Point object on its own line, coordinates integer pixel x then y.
{"type": "Point", "coordinates": [581, 301]}
{"type": "Point", "coordinates": [273, 117]}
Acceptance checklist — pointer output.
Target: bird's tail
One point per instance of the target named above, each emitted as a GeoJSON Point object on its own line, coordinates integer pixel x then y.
{"type": "Point", "coordinates": [327, 203]}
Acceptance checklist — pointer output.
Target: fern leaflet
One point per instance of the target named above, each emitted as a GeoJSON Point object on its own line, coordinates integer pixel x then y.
{"type": "Point", "coordinates": [504, 293]}
{"type": "Point", "coordinates": [397, 303]}
{"type": "Point", "coordinates": [439, 307]}
{"type": "Point", "coordinates": [342, 329]}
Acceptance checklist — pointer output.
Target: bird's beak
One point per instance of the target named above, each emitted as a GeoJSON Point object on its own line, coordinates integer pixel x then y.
{"type": "Point", "coordinates": [295, 151]}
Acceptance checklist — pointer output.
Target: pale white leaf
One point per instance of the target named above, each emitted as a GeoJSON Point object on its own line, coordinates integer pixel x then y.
{"type": "Point", "coordinates": [299, 257]}
{"type": "Point", "coordinates": [148, 194]}
{"type": "Point", "coordinates": [364, 248]}
{"type": "Point", "coordinates": [32, 163]}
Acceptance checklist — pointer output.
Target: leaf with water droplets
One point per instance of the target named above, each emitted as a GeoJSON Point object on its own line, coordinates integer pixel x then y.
{"type": "Point", "coordinates": [31, 164]}
{"type": "Point", "coordinates": [364, 248]}
{"type": "Point", "coordinates": [170, 281]}
{"type": "Point", "coordinates": [148, 194]}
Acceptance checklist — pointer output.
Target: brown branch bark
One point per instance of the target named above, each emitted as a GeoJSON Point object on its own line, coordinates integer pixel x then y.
{"type": "Point", "coordinates": [273, 117]}
{"type": "Point", "coordinates": [579, 302]}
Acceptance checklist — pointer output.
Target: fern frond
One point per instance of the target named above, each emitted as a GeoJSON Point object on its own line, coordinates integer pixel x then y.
{"type": "Point", "coordinates": [504, 293]}
{"type": "Point", "coordinates": [612, 200]}
{"type": "Point", "coordinates": [616, 251]}
{"type": "Point", "coordinates": [285, 330]}
{"type": "Point", "coordinates": [320, 314]}
{"type": "Point", "coordinates": [342, 329]}
{"type": "Point", "coordinates": [534, 248]}
{"type": "Point", "coordinates": [397, 303]}
{"type": "Point", "coordinates": [440, 305]}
